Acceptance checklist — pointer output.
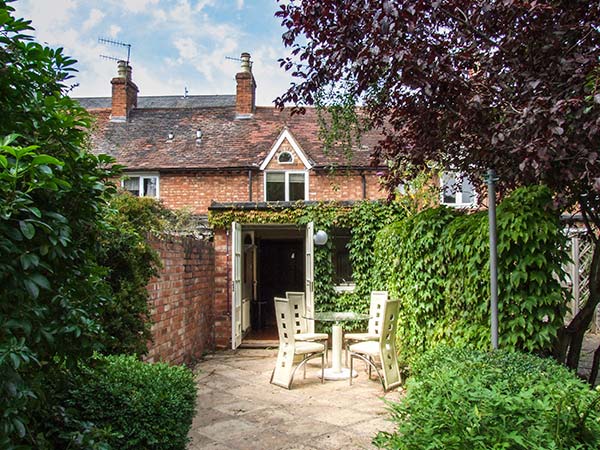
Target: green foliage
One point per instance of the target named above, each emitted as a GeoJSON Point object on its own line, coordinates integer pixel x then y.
{"type": "Point", "coordinates": [470, 399]}
{"type": "Point", "coordinates": [52, 198]}
{"type": "Point", "coordinates": [437, 263]}
{"type": "Point", "coordinates": [130, 262]}
{"type": "Point", "coordinates": [340, 123]}
{"type": "Point", "coordinates": [364, 219]}
{"type": "Point", "coordinates": [139, 405]}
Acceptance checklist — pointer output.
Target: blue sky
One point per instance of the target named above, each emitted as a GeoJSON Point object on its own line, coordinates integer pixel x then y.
{"type": "Point", "coordinates": [175, 43]}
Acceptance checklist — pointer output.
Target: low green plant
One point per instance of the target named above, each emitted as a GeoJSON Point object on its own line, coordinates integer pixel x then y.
{"type": "Point", "coordinates": [138, 405]}
{"type": "Point", "coordinates": [472, 399]}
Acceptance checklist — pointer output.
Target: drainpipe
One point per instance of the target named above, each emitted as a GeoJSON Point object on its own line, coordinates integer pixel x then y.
{"type": "Point", "coordinates": [364, 185]}
{"type": "Point", "coordinates": [249, 185]}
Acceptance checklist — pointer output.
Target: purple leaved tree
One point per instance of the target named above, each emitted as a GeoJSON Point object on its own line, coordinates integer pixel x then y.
{"type": "Point", "coordinates": [508, 85]}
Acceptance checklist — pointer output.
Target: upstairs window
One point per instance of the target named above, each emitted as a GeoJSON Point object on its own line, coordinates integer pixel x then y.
{"type": "Point", "coordinates": [141, 185]}
{"type": "Point", "coordinates": [453, 194]}
{"type": "Point", "coordinates": [286, 186]}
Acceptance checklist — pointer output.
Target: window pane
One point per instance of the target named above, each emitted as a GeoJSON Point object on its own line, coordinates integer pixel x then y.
{"type": "Point", "coordinates": [132, 185]}
{"type": "Point", "coordinates": [150, 187]}
{"type": "Point", "coordinates": [285, 157]}
{"type": "Point", "coordinates": [275, 187]}
{"type": "Point", "coordinates": [296, 186]}
{"type": "Point", "coordinates": [342, 269]}
{"type": "Point", "coordinates": [448, 188]}
{"type": "Point", "coordinates": [468, 192]}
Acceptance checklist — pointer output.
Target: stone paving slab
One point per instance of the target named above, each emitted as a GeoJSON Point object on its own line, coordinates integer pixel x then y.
{"type": "Point", "coordinates": [238, 409]}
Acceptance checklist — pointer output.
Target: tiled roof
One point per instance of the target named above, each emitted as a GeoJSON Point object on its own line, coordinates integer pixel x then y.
{"type": "Point", "coordinates": [142, 142]}
{"type": "Point", "coordinates": [170, 101]}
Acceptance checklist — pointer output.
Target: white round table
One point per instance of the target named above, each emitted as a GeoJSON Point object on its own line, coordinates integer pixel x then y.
{"type": "Point", "coordinates": [337, 371]}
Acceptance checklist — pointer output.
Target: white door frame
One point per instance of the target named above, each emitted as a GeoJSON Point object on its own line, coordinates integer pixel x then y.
{"type": "Point", "coordinates": [309, 293]}
{"type": "Point", "coordinates": [236, 286]}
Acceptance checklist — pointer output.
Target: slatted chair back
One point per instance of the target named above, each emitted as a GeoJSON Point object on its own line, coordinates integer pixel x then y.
{"type": "Point", "coordinates": [378, 300]}
{"type": "Point", "coordinates": [282, 374]}
{"type": "Point", "coordinates": [298, 310]}
{"type": "Point", "coordinates": [387, 345]}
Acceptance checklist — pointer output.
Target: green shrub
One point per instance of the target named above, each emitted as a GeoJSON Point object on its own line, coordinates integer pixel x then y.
{"type": "Point", "coordinates": [145, 406]}
{"type": "Point", "coordinates": [130, 263]}
{"type": "Point", "coordinates": [437, 263]}
{"type": "Point", "coordinates": [471, 399]}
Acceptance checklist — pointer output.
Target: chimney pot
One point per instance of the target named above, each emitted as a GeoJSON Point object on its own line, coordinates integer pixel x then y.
{"type": "Point", "coordinates": [246, 64]}
{"type": "Point", "coordinates": [122, 69]}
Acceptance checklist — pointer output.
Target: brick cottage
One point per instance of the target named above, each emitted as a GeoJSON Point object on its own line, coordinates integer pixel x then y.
{"type": "Point", "coordinates": [223, 151]}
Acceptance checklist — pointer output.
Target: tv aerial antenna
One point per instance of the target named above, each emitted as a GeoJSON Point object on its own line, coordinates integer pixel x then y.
{"type": "Point", "coordinates": [238, 60]}
{"type": "Point", "coordinates": [116, 44]}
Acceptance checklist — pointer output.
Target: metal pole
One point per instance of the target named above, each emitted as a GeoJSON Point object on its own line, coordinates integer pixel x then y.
{"type": "Point", "coordinates": [491, 182]}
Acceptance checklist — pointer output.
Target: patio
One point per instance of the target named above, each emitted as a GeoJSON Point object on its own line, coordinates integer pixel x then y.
{"type": "Point", "coordinates": [238, 409]}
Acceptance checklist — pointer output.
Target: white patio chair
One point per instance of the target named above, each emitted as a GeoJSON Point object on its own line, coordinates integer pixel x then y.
{"type": "Point", "coordinates": [289, 348]}
{"type": "Point", "coordinates": [384, 349]}
{"type": "Point", "coordinates": [378, 298]}
{"type": "Point", "coordinates": [298, 305]}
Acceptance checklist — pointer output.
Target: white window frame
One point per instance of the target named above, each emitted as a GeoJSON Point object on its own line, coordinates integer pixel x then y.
{"type": "Point", "coordinates": [458, 203]}
{"type": "Point", "coordinates": [287, 174]}
{"type": "Point", "coordinates": [143, 176]}
{"type": "Point", "coordinates": [291, 161]}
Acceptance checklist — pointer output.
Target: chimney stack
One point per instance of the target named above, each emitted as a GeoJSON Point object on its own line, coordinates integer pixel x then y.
{"type": "Point", "coordinates": [245, 100]}
{"type": "Point", "coordinates": [124, 93]}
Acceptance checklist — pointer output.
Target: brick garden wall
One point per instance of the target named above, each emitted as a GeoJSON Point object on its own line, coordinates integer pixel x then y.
{"type": "Point", "coordinates": [181, 300]}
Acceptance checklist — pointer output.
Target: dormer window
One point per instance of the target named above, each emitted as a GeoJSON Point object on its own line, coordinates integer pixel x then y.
{"type": "Point", "coordinates": [285, 158]}
{"type": "Point", "coordinates": [141, 184]}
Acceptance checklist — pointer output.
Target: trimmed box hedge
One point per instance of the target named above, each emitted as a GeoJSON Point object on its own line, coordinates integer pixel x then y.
{"type": "Point", "coordinates": [140, 405]}
{"type": "Point", "coordinates": [471, 399]}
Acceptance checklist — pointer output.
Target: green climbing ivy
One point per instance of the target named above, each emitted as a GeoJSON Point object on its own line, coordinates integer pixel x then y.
{"type": "Point", "coordinates": [437, 263]}
{"type": "Point", "coordinates": [364, 219]}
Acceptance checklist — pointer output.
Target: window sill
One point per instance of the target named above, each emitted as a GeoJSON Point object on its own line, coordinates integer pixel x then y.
{"type": "Point", "coordinates": [341, 288]}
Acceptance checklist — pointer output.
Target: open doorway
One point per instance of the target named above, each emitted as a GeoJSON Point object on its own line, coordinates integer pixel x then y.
{"type": "Point", "coordinates": [278, 265]}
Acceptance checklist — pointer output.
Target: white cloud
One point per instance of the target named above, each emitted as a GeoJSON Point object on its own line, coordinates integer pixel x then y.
{"type": "Point", "coordinates": [187, 48]}
{"type": "Point", "coordinates": [48, 18]}
{"type": "Point", "coordinates": [114, 30]}
{"type": "Point", "coordinates": [201, 4]}
{"type": "Point", "coordinates": [94, 19]}
{"type": "Point", "coordinates": [271, 80]}
{"type": "Point", "coordinates": [137, 6]}
{"type": "Point", "coordinates": [240, 4]}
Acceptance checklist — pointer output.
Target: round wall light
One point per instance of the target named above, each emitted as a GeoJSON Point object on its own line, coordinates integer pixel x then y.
{"type": "Point", "coordinates": [320, 237]}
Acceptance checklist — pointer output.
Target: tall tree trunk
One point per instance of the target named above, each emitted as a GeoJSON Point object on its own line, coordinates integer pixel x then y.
{"type": "Point", "coordinates": [578, 326]}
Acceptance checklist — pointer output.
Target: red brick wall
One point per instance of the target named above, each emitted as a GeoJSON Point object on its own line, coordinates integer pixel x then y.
{"type": "Point", "coordinates": [196, 191]}
{"type": "Point", "coordinates": [181, 300]}
{"type": "Point", "coordinates": [342, 186]}
{"type": "Point", "coordinates": [223, 299]}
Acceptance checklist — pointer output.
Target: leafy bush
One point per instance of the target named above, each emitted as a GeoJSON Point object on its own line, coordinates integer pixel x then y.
{"type": "Point", "coordinates": [437, 263]}
{"type": "Point", "coordinates": [130, 263]}
{"type": "Point", "coordinates": [52, 199]}
{"type": "Point", "coordinates": [140, 405]}
{"type": "Point", "coordinates": [470, 399]}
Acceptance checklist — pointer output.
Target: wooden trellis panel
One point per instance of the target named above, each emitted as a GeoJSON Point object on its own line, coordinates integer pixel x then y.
{"type": "Point", "coordinates": [578, 275]}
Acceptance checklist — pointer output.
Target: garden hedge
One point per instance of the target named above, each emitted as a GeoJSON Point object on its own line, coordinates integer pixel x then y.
{"type": "Point", "coordinates": [138, 405]}
{"type": "Point", "coordinates": [460, 399]}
